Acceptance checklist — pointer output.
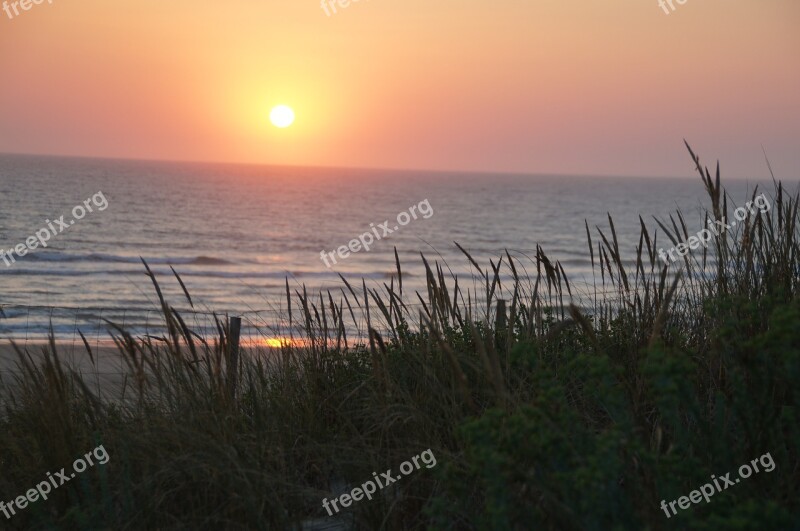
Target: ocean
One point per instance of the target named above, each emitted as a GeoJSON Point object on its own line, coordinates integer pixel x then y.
{"type": "Point", "coordinates": [237, 233]}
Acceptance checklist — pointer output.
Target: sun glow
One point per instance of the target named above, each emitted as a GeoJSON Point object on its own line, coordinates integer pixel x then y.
{"type": "Point", "coordinates": [281, 116]}
{"type": "Point", "coordinates": [278, 342]}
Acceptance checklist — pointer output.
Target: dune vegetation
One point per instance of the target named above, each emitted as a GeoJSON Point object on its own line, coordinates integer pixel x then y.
{"type": "Point", "coordinates": [544, 411]}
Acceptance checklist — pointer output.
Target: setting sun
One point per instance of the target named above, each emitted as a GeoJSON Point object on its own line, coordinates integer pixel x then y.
{"type": "Point", "coordinates": [281, 116]}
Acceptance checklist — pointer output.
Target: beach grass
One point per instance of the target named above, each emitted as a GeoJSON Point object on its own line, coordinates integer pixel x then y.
{"type": "Point", "coordinates": [553, 409]}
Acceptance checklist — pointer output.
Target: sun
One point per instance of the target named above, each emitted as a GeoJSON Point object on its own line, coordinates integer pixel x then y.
{"type": "Point", "coordinates": [281, 116]}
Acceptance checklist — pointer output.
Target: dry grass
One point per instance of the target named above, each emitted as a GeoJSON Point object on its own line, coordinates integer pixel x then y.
{"type": "Point", "coordinates": [550, 412]}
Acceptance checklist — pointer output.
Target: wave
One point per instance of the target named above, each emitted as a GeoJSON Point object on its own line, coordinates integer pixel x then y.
{"type": "Point", "coordinates": [56, 256]}
{"type": "Point", "coordinates": [61, 272]}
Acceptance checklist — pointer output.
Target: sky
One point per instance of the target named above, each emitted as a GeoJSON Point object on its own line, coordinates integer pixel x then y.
{"type": "Point", "coordinates": [532, 86]}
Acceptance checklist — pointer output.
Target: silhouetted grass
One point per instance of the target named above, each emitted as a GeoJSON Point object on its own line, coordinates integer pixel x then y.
{"type": "Point", "coordinates": [582, 412]}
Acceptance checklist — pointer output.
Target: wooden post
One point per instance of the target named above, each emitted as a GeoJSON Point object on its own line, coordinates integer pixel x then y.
{"type": "Point", "coordinates": [500, 324]}
{"type": "Point", "coordinates": [500, 318]}
{"type": "Point", "coordinates": [234, 330]}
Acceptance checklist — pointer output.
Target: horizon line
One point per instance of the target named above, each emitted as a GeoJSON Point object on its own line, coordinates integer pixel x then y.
{"type": "Point", "coordinates": [357, 168]}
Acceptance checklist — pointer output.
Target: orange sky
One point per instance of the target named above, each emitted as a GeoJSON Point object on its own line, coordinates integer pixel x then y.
{"type": "Point", "coordinates": [563, 86]}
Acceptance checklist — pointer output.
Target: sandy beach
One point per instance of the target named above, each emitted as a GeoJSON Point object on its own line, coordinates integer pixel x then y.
{"type": "Point", "coordinates": [104, 372]}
